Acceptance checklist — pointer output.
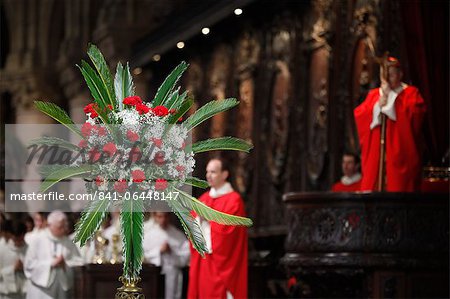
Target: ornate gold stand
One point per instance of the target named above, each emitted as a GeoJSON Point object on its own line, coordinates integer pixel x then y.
{"type": "Point", "coordinates": [129, 290]}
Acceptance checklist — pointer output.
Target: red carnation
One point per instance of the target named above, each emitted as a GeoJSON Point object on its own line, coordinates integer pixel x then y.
{"type": "Point", "coordinates": [159, 159]}
{"type": "Point", "coordinates": [132, 136]}
{"type": "Point", "coordinates": [157, 142]}
{"type": "Point", "coordinates": [110, 149]}
{"type": "Point", "coordinates": [160, 111]}
{"type": "Point", "coordinates": [160, 184]}
{"type": "Point", "coordinates": [138, 176]}
{"type": "Point", "coordinates": [86, 129]}
{"type": "Point", "coordinates": [180, 119]}
{"type": "Point", "coordinates": [120, 186]}
{"type": "Point", "coordinates": [132, 101]}
{"type": "Point", "coordinates": [87, 109]}
{"type": "Point", "coordinates": [99, 180]}
{"type": "Point", "coordinates": [90, 108]}
{"type": "Point", "coordinates": [83, 143]}
{"type": "Point", "coordinates": [142, 108]}
{"type": "Point", "coordinates": [94, 155]}
{"type": "Point", "coordinates": [110, 107]}
{"type": "Point", "coordinates": [135, 154]}
{"type": "Point", "coordinates": [101, 131]}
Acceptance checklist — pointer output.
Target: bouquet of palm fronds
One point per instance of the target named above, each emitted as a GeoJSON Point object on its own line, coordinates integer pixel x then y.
{"type": "Point", "coordinates": [134, 149]}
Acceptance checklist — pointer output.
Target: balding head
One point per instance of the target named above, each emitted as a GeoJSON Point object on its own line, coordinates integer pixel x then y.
{"type": "Point", "coordinates": [57, 223]}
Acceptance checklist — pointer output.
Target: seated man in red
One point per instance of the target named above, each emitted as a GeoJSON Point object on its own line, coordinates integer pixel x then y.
{"type": "Point", "coordinates": [351, 180]}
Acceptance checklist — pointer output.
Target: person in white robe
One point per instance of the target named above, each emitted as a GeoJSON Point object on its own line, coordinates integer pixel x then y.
{"type": "Point", "coordinates": [49, 261]}
{"type": "Point", "coordinates": [40, 224]}
{"type": "Point", "coordinates": [5, 230]}
{"type": "Point", "coordinates": [12, 278]}
{"type": "Point", "coordinates": [166, 246]}
{"type": "Point", "coordinates": [149, 222]}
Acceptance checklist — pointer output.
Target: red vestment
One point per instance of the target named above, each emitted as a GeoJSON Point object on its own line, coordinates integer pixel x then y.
{"type": "Point", "coordinates": [403, 156]}
{"type": "Point", "coordinates": [226, 267]}
{"type": "Point", "coordinates": [340, 187]}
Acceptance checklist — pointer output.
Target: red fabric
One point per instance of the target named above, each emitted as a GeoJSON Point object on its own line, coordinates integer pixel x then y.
{"type": "Point", "coordinates": [339, 187]}
{"type": "Point", "coordinates": [403, 157]}
{"type": "Point", "coordinates": [226, 268]}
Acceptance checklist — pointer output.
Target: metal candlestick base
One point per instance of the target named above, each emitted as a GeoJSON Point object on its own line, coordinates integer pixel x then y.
{"type": "Point", "coordinates": [129, 290]}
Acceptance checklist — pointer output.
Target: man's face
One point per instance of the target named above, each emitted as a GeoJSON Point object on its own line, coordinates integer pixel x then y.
{"type": "Point", "coordinates": [58, 228]}
{"type": "Point", "coordinates": [395, 77]}
{"type": "Point", "coordinates": [214, 174]}
{"type": "Point", "coordinates": [162, 219]}
{"type": "Point", "coordinates": [348, 165]}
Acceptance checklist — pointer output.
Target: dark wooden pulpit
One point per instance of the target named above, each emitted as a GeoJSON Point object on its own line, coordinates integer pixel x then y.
{"type": "Point", "coordinates": [368, 245]}
{"type": "Point", "coordinates": [101, 281]}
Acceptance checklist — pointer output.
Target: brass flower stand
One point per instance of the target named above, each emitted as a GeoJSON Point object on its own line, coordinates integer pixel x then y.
{"type": "Point", "coordinates": [129, 290]}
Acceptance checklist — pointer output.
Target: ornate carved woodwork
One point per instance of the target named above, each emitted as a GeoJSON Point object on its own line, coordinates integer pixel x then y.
{"type": "Point", "coordinates": [377, 239]}
{"type": "Point", "coordinates": [218, 75]}
{"type": "Point", "coordinates": [362, 67]}
{"type": "Point", "coordinates": [246, 61]}
{"type": "Point", "coordinates": [193, 81]}
{"type": "Point", "coordinates": [318, 114]}
{"type": "Point", "coordinates": [318, 49]}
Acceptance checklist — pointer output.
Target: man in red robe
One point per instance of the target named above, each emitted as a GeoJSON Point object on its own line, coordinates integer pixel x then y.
{"type": "Point", "coordinates": [404, 109]}
{"type": "Point", "coordinates": [351, 179]}
{"type": "Point", "coordinates": [223, 271]}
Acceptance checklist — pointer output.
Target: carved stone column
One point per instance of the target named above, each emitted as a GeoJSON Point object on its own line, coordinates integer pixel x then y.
{"type": "Point", "coordinates": [361, 67]}
{"type": "Point", "coordinates": [319, 52]}
{"type": "Point", "coordinates": [193, 81]}
{"type": "Point", "coordinates": [246, 62]}
{"type": "Point", "coordinates": [219, 74]}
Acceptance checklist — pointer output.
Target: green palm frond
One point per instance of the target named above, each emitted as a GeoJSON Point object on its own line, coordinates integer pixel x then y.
{"type": "Point", "coordinates": [168, 85]}
{"type": "Point", "coordinates": [185, 106]}
{"type": "Point", "coordinates": [66, 172]}
{"type": "Point", "coordinates": [190, 226]}
{"type": "Point", "coordinates": [54, 141]}
{"type": "Point", "coordinates": [46, 170]}
{"type": "Point", "coordinates": [196, 182]}
{"type": "Point", "coordinates": [172, 99]}
{"type": "Point", "coordinates": [95, 84]}
{"type": "Point", "coordinates": [209, 213]}
{"type": "Point", "coordinates": [103, 70]}
{"type": "Point", "coordinates": [221, 143]}
{"type": "Point", "coordinates": [132, 225]}
{"type": "Point", "coordinates": [179, 101]}
{"type": "Point", "coordinates": [58, 114]}
{"type": "Point", "coordinates": [209, 110]}
{"type": "Point", "coordinates": [123, 84]}
{"type": "Point", "coordinates": [90, 221]}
